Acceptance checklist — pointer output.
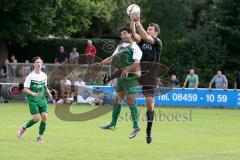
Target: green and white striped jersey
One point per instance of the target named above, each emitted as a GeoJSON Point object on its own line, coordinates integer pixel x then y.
{"type": "Point", "coordinates": [36, 83]}
{"type": "Point", "coordinates": [125, 54]}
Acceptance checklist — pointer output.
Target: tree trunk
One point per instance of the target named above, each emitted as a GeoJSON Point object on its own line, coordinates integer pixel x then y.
{"type": "Point", "coordinates": [98, 29]}
{"type": "Point", "coordinates": [3, 52]}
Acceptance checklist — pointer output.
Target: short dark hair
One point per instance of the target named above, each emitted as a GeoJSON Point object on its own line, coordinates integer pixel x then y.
{"type": "Point", "coordinates": [35, 58]}
{"type": "Point", "coordinates": [156, 27]}
{"type": "Point", "coordinates": [126, 29]}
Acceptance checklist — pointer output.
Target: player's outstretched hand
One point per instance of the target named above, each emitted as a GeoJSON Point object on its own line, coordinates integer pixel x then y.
{"type": "Point", "coordinates": [135, 18]}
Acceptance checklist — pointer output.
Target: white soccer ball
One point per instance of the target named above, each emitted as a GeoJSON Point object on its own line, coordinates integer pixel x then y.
{"type": "Point", "coordinates": [133, 9]}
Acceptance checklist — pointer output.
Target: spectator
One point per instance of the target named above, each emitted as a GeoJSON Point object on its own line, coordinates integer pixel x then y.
{"type": "Point", "coordinates": [90, 52]}
{"type": "Point", "coordinates": [13, 59]}
{"type": "Point", "coordinates": [78, 84]}
{"type": "Point", "coordinates": [25, 70]}
{"type": "Point", "coordinates": [220, 81]}
{"type": "Point", "coordinates": [14, 63]}
{"type": "Point", "coordinates": [86, 95]}
{"type": "Point", "coordinates": [54, 96]}
{"type": "Point", "coordinates": [237, 81]}
{"type": "Point", "coordinates": [65, 86]}
{"type": "Point", "coordinates": [74, 55]}
{"type": "Point", "coordinates": [3, 73]}
{"type": "Point", "coordinates": [191, 79]}
{"type": "Point", "coordinates": [98, 97]}
{"type": "Point", "coordinates": [175, 83]}
{"type": "Point", "coordinates": [61, 57]}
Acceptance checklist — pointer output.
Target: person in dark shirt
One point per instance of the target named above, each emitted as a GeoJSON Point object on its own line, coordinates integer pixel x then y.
{"type": "Point", "coordinates": [61, 57]}
{"type": "Point", "coordinates": [237, 81]}
{"type": "Point", "coordinates": [175, 83]}
{"type": "Point", "coordinates": [3, 73]}
{"type": "Point", "coordinates": [151, 47]}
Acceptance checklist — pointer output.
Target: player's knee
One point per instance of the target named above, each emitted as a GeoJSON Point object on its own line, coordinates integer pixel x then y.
{"type": "Point", "coordinates": [44, 118]}
{"type": "Point", "coordinates": [36, 118]}
{"type": "Point", "coordinates": [150, 105]}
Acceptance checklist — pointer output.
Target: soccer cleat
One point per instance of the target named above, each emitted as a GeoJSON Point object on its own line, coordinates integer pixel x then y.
{"type": "Point", "coordinates": [105, 79]}
{"type": "Point", "coordinates": [149, 138]}
{"type": "Point", "coordinates": [134, 132]}
{"type": "Point", "coordinates": [21, 131]}
{"type": "Point", "coordinates": [39, 139]}
{"type": "Point", "coordinates": [109, 126]}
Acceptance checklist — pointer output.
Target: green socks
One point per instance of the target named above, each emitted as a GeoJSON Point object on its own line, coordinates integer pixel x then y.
{"type": "Point", "coordinates": [30, 123]}
{"type": "Point", "coordinates": [134, 113]}
{"type": "Point", "coordinates": [42, 128]}
{"type": "Point", "coordinates": [115, 113]}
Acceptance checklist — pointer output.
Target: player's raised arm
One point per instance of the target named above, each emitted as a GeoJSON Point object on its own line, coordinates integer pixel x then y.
{"type": "Point", "coordinates": [136, 36]}
{"type": "Point", "coordinates": [152, 32]}
{"type": "Point", "coordinates": [144, 35]}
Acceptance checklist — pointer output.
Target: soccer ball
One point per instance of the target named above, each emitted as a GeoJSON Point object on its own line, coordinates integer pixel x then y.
{"type": "Point", "coordinates": [133, 9]}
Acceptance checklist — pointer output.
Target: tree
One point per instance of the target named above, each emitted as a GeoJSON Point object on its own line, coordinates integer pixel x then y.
{"type": "Point", "coordinates": [24, 20]}
{"type": "Point", "coordinates": [204, 51]}
{"type": "Point", "coordinates": [227, 18]}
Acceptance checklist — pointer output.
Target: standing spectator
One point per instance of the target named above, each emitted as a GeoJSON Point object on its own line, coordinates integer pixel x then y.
{"type": "Point", "coordinates": [25, 69]}
{"type": "Point", "coordinates": [237, 81]}
{"type": "Point", "coordinates": [3, 73]}
{"type": "Point", "coordinates": [13, 59]}
{"type": "Point", "coordinates": [220, 81]}
{"type": "Point", "coordinates": [74, 55]}
{"type": "Point", "coordinates": [78, 84]}
{"type": "Point", "coordinates": [62, 56]}
{"type": "Point", "coordinates": [191, 79]}
{"type": "Point", "coordinates": [175, 83]}
{"type": "Point", "coordinates": [14, 63]}
{"type": "Point", "coordinates": [90, 52]}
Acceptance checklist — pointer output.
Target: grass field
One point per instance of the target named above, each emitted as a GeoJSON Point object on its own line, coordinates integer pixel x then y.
{"type": "Point", "coordinates": [206, 134]}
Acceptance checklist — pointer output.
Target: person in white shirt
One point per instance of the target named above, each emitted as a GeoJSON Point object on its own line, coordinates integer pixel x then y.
{"type": "Point", "coordinates": [35, 87]}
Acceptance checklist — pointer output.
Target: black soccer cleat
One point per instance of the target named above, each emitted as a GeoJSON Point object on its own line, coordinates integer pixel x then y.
{"type": "Point", "coordinates": [105, 79]}
{"type": "Point", "coordinates": [149, 138]}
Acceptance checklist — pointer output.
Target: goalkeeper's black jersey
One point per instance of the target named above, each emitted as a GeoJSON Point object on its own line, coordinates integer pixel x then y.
{"type": "Point", "coordinates": [151, 52]}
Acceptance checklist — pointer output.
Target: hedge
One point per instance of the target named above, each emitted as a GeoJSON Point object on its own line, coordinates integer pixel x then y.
{"type": "Point", "coordinates": [48, 48]}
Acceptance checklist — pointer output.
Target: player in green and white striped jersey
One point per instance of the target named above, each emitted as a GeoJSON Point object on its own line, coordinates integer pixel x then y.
{"type": "Point", "coordinates": [35, 87]}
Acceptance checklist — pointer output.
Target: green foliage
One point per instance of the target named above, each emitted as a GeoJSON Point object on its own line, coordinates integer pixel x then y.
{"type": "Point", "coordinates": [204, 52]}
{"type": "Point", "coordinates": [228, 22]}
{"type": "Point", "coordinates": [21, 20]}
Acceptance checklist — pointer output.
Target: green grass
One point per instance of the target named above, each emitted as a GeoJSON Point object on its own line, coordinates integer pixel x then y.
{"type": "Point", "coordinates": [211, 134]}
